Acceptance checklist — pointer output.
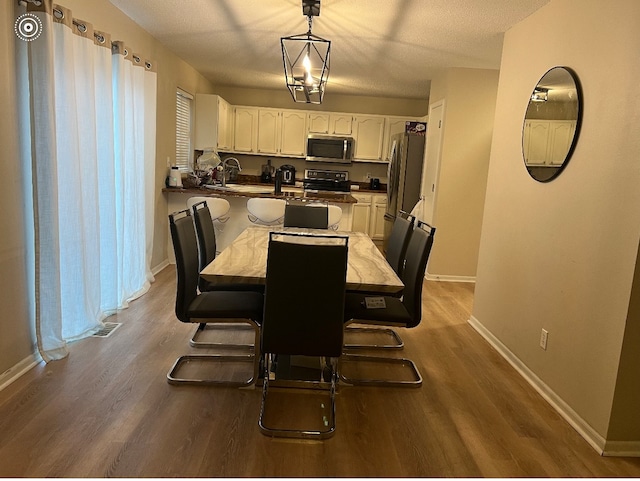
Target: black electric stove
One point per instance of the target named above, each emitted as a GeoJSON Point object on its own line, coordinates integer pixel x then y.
{"type": "Point", "coordinates": [336, 181]}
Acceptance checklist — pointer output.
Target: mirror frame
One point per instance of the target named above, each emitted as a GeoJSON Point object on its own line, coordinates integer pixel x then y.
{"type": "Point", "coordinates": [576, 134]}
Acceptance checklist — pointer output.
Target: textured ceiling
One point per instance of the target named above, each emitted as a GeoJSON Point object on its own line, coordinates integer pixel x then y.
{"type": "Point", "coordinates": [388, 48]}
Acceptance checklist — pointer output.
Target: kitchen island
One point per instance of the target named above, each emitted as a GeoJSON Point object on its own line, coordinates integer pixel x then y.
{"type": "Point", "coordinates": [237, 196]}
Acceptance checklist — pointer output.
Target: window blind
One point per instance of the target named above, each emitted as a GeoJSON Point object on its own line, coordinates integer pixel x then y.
{"type": "Point", "coordinates": [184, 114]}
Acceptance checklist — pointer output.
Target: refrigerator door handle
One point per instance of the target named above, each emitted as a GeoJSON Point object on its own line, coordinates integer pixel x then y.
{"type": "Point", "coordinates": [389, 181]}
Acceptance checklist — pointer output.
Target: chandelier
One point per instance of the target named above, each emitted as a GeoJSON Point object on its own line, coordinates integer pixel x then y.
{"type": "Point", "coordinates": [306, 60]}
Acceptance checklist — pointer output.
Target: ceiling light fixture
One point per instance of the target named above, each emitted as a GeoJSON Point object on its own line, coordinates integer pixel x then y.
{"type": "Point", "coordinates": [306, 60]}
{"type": "Point", "coordinates": [540, 94]}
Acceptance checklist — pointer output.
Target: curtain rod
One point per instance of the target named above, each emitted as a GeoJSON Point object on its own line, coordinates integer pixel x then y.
{"type": "Point", "coordinates": [59, 14]}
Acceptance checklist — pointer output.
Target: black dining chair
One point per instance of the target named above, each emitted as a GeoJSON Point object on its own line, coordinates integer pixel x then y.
{"type": "Point", "coordinates": [208, 307]}
{"type": "Point", "coordinates": [206, 236]}
{"type": "Point", "coordinates": [296, 215]}
{"type": "Point", "coordinates": [303, 315]}
{"type": "Point", "coordinates": [395, 255]}
{"type": "Point", "coordinates": [399, 240]}
{"type": "Point", "coordinates": [392, 311]}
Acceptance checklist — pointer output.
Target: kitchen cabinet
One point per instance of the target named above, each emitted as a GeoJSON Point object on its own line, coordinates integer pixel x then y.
{"type": "Point", "coordinates": [330, 124]}
{"type": "Point", "coordinates": [340, 124]}
{"type": "Point", "coordinates": [245, 129]}
{"type": "Point", "coordinates": [368, 132]}
{"type": "Point", "coordinates": [318, 123]}
{"type": "Point", "coordinates": [212, 123]}
{"type": "Point", "coordinates": [546, 142]}
{"type": "Point", "coordinates": [268, 131]}
{"type": "Point", "coordinates": [282, 132]}
{"type": "Point", "coordinates": [378, 209]}
{"type": "Point", "coordinates": [361, 213]}
{"type": "Point", "coordinates": [293, 136]}
{"type": "Point", "coordinates": [368, 214]}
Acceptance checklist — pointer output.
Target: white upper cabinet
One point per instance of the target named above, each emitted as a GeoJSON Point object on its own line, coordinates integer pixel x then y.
{"type": "Point", "coordinates": [340, 124]}
{"type": "Point", "coordinates": [324, 123]}
{"type": "Point", "coordinates": [546, 142]}
{"type": "Point", "coordinates": [212, 123]}
{"type": "Point", "coordinates": [268, 131]}
{"type": "Point", "coordinates": [318, 123]}
{"type": "Point", "coordinates": [369, 134]}
{"type": "Point", "coordinates": [293, 137]}
{"type": "Point", "coordinates": [282, 132]}
{"type": "Point", "coordinates": [245, 138]}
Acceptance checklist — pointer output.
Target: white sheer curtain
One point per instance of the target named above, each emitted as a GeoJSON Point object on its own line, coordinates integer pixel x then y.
{"type": "Point", "coordinates": [89, 146]}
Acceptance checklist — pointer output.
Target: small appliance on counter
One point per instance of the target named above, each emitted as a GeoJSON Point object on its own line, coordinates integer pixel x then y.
{"type": "Point", "coordinates": [278, 182]}
{"type": "Point", "coordinates": [335, 181]}
{"type": "Point", "coordinates": [374, 184]}
{"type": "Point", "coordinates": [288, 174]}
{"type": "Point", "coordinates": [175, 177]}
{"type": "Point", "coordinates": [267, 172]}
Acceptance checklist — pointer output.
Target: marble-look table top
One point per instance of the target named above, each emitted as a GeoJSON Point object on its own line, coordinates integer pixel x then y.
{"type": "Point", "coordinates": [245, 261]}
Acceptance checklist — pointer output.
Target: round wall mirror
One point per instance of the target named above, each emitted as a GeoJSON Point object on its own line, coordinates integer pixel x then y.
{"type": "Point", "coordinates": [551, 124]}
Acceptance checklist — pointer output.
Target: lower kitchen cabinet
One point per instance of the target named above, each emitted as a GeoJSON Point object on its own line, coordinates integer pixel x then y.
{"type": "Point", "coordinates": [368, 214]}
{"type": "Point", "coordinates": [378, 209]}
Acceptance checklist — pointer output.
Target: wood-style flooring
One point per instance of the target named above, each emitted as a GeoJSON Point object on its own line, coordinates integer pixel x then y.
{"type": "Point", "coordinates": [108, 411]}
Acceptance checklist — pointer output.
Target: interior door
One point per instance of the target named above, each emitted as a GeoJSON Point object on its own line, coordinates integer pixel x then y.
{"type": "Point", "coordinates": [432, 160]}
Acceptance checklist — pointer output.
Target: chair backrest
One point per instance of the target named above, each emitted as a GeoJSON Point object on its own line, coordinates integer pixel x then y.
{"type": "Point", "coordinates": [417, 256]}
{"type": "Point", "coordinates": [304, 295]}
{"type": "Point", "coordinates": [398, 242]}
{"type": "Point", "coordinates": [265, 210]}
{"type": "Point", "coordinates": [334, 213]}
{"type": "Point", "coordinates": [183, 235]}
{"type": "Point", "coordinates": [296, 215]}
{"type": "Point", "coordinates": [206, 235]}
{"type": "Point", "coordinates": [218, 207]}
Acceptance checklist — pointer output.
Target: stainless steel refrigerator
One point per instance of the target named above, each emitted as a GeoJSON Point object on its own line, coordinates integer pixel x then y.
{"type": "Point", "coordinates": [404, 176]}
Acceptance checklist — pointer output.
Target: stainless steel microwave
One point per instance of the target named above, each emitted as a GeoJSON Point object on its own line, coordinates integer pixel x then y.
{"type": "Point", "coordinates": [330, 149]}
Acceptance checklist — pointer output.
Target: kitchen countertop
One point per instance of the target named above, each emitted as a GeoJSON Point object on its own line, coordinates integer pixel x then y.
{"type": "Point", "coordinates": [245, 190]}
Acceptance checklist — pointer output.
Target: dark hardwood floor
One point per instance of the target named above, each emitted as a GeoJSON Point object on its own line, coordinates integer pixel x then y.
{"type": "Point", "coordinates": [108, 411]}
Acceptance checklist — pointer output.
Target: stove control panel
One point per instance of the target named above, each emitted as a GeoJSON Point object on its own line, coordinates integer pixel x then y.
{"type": "Point", "coordinates": [327, 175]}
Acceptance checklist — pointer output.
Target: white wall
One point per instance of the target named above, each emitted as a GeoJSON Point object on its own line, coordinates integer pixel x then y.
{"type": "Point", "coordinates": [469, 104]}
{"type": "Point", "coordinates": [561, 255]}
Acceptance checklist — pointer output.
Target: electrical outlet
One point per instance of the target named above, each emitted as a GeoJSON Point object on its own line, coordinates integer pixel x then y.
{"type": "Point", "coordinates": [544, 336]}
{"type": "Point", "coordinates": [368, 175]}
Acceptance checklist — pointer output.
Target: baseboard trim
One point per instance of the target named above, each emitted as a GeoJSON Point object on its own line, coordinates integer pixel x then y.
{"type": "Point", "coordinates": [595, 440]}
{"type": "Point", "coordinates": [160, 266]}
{"type": "Point", "coordinates": [19, 369]}
{"type": "Point", "coordinates": [441, 278]}
{"type": "Point", "coordinates": [622, 449]}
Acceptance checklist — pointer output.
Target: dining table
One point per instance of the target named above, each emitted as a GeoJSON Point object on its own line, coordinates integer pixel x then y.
{"type": "Point", "coordinates": [244, 261]}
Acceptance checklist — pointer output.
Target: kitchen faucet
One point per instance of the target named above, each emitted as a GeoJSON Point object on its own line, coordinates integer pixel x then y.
{"type": "Point", "coordinates": [223, 164]}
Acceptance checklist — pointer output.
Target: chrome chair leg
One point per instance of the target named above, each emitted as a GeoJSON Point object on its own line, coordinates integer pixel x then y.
{"type": "Point", "coordinates": [395, 342]}
{"type": "Point", "coordinates": [197, 334]}
{"type": "Point", "coordinates": [297, 433]}
{"type": "Point", "coordinates": [175, 377]}
{"type": "Point", "coordinates": [406, 364]}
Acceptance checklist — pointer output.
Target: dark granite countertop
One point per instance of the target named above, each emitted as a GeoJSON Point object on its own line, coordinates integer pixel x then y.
{"type": "Point", "coordinates": [288, 193]}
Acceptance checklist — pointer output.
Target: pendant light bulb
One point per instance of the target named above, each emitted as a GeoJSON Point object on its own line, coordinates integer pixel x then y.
{"type": "Point", "coordinates": [306, 63]}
